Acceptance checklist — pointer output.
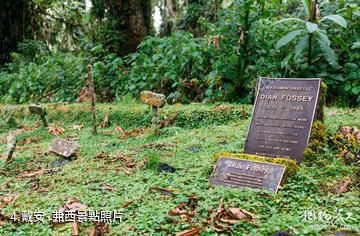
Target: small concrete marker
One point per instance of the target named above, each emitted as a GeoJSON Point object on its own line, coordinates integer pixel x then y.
{"type": "Point", "coordinates": [155, 100]}
{"type": "Point", "coordinates": [39, 110]}
{"type": "Point", "coordinates": [11, 142]}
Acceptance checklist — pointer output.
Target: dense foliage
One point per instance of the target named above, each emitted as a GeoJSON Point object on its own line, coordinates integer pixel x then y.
{"type": "Point", "coordinates": [213, 50]}
{"type": "Point", "coordinates": [347, 141]}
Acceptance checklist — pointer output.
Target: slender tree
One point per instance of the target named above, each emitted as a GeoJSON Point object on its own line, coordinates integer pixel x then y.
{"type": "Point", "coordinates": [132, 17]}
{"type": "Point", "coordinates": [11, 27]}
{"type": "Point", "coordinates": [19, 20]}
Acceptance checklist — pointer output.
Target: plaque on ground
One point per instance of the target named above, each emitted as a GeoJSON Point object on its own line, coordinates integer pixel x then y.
{"type": "Point", "coordinates": [245, 173]}
{"type": "Point", "coordinates": [63, 147]}
{"type": "Point", "coordinates": [282, 118]}
{"type": "Point", "coordinates": [36, 109]}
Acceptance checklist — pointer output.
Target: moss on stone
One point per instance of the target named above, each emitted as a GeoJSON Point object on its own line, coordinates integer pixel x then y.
{"type": "Point", "coordinates": [347, 143]}
{"type": "Point", "coordinates": [318, 139]}
{"type": "Point", "coordinates": [319, 112]}
{"type": "Point", "coordinates": [318, 136]}
{"type": "Point", "coordinates": [291, 166]}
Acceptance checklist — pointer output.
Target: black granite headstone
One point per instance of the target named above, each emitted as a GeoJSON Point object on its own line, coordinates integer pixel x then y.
{"type": "Point", "coordinates": [282, 118]}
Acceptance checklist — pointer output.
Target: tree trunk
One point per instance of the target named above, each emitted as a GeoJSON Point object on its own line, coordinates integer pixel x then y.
{"type": "Point", "coordinates": [134, 22]}
{"type": "Point", "coordinates": [18, 21]}
{"type": "Point", "coordinates": [11, 27]}
{"type": "Point", "coordinates": [168, 18]}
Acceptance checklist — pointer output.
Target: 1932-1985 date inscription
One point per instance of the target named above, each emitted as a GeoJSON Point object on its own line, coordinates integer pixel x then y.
{"type": "Point", "coordinates": [282, 118]}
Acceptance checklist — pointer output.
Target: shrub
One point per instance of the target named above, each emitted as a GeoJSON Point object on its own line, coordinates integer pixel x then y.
{"type": "Point", "coordinates": [347, 141]}
{"type": "Point", "coordinates": [52, 77]}
{"type": "Point", "coordinates": [179, 66]}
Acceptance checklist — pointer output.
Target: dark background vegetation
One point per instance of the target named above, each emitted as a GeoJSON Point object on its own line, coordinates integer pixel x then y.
{"type": "Point", "coordinates": [204, 50]}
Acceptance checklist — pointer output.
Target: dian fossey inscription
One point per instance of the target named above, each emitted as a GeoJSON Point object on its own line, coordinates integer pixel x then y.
{"type": "Point", "coordinates": [245, 173]}
{"type": "Point", "coordinates": [283, 114]}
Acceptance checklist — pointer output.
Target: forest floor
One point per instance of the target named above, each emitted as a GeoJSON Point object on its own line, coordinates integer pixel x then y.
{"type": "Point", "coordinates": [116, 170]}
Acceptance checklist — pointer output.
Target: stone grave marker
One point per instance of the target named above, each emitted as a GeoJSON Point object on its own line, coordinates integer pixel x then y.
{"type": "Point", "coordinates": [39, 110]}
{"type": "Point", "coordinates": [11, 142]}
{"type": "Point", "coordinates": [282, 118]}
{"type": "Point", "coordinates": [280, 127]}
{"type": "Point", "coordinates": [240, 173]}
{"type": "Point", "coordinates": [63, 147]}
{"type": "Point", "coordinates": [152, 99]}
{"type": "Point", "coordinates": [155, 100]}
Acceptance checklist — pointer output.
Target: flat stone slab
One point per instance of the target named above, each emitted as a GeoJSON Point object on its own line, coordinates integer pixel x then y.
{"type": "Point", "coordinates": [36, 109]}
{"type": "Point", "coordinates": [63, 147]}
{"type": "Point", "coordinates": [153, 99]}
{"type": "Point", "coordinates": [238, 173]}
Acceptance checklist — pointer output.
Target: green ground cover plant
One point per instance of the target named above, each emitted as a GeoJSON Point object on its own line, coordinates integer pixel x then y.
{"type": "Point", "coordinates": [102, 178]}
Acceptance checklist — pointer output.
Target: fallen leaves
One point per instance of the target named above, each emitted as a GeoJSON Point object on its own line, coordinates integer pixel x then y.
{"type": "Point", "coordinates": [106, 122]}
{"type": "Point", "coordinates": [107, 187]}
{"type": "Point", "coordinates": [99, 229]}
{"type": "Point", "coordinates": [3, 219]}
{"type": "Point", "coordinates": [132, 133]}
{"type": "Point", "coordinates": [73, 205]}
{"type": "Point", "coordinates": [78, 127]}
{"type": "Point", "coordinates": [6, 184]}
{"type": "Point", "coordinates": [127, 161]}
{"type": "Point", "coordinates": [221, 221]}
{"type": "Point", "coordinates": [75, 228]}
{"type": "Point", "coordinates": [186, 210]}
{"type": "Point", "coordinates": [336, 113]}
{"type": "Point", "coordinates": [163, 191]}
{"type": "Point", "coordinates": [32, 174]}
{"type": "Point", "coordinates": [343, 187]}
{"type": "Point", "coordinates": [157, 146]}
{"type": "Point", "coordinates": [8, 199]}
{"type": "Point", "coordinates": [102, 155]}
{"type": "Point", "coordinates": [350, 132]}
{"type": "Point", "coordinates": [189, 232]}
{"type": "Point", "coordinates": [119, 129]}
{"type": "Point", "coordinates": [127, 204]}
{"type": "Point", "coordinates": [55, 130]}
{"type": "Point", "coordinates": [224, 218]}
{"type": "Point", "coordinates": [23, 128]}
{"type": "Point", "coordinates": [222, 108]}
{"type": "Point", "coordinates": [30, 140]}
{"type": "Point", "coordinates": [127, 164]}
{"type": "Point", "coordinates": [3, 157]}
{"type": "Point", "coordinates": [35, 186]}
{"type": "Point", "coordinates": [84, 95]}
{"type": "Point", "coordinates": [168, 121]}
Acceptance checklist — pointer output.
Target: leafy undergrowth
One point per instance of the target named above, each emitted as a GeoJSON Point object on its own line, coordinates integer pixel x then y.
{"type": "Point", "coordinates": [116, 170]}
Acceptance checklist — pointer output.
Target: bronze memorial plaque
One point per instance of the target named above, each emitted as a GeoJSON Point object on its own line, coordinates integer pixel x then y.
{"type": "Point", "coordinates": [244, 173]}
{"type": "Point", "coordinates": [282, 118]}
